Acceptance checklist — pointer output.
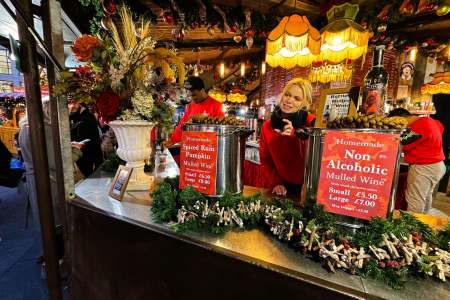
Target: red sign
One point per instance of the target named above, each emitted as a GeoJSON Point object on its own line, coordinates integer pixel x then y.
{"type": "Point", "coordinates": [198, 160]}
{"type": "Point", "coordinates": [356, 173]}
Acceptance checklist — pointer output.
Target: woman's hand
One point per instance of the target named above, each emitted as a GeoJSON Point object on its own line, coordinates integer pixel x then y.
{"type": "Point", "coordinates": [279, 190]}
{"type": "Point", "coordinates": [288, 129]}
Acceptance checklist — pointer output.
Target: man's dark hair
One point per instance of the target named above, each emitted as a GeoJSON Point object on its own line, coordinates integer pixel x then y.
{"type": "Point", "coordinates": [194, 83]}
{"type": "Point", "coordinates": [399, 112]}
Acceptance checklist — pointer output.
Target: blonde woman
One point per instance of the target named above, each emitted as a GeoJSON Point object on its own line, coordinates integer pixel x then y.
{"type": "Point", "coordinates": [282, 153]}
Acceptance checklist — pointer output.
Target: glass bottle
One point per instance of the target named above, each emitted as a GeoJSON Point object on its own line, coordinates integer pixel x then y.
{"type": "Point", "coordinates": [375, 85]}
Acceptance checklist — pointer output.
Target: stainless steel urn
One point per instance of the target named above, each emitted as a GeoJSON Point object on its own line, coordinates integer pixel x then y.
{"type": "Point", "coordinates": [230, 155]}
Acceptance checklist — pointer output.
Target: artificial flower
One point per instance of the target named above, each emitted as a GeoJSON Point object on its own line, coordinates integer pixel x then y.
{"type": "Point", "coordinates": [108, 104]}
{"type": "Point", "coordinates": [83, 47]}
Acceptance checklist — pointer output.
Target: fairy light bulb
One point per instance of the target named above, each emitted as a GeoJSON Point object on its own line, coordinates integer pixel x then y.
{"type": "Point", "coordinates": [413, 54]}
{"type": "Point", "coordinates": [195, 71]}
{"type": "Point", "coordinates": [222, 69]}
{"type": "Point", "coordinates": [263, 68]}
{"type": "Point", "coordinates": [242, 69]}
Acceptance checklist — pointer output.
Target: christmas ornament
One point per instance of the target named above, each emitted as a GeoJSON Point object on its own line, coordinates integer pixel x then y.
{"type": "Point", "coordinates": [167, 17]}
{"type": "Point", "coordinates": [248, 18]}
{"type": "Point", "coordinates": [444, 8]}
{"type": "Point", "coordinates": [249, 42]}
{"type": "Point", "coordinates": [194, 25]}
{"type": "Point", "coordinates": [382, 27]}
{"type": "Point", "coordinates": [237, 38]}
{"type": "Point", "coordinates": [426, 6]}
{"type": "Point", "coordinates": [233, 29]}
{"type": "Point", "coordinates": [406, 8]}
{"type": "Point", "coordinates": [107, 23]}
{"type": "Point", "coordinates": [109, 7]}
{"type": "Point", "coordinates": [383, 16]}
{"type": "Point", "coordinates": [210, 30]}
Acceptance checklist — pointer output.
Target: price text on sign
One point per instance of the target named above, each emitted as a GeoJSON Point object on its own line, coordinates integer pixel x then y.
{"type": "Point", "coordinates": [356, 173]}
{"type": "Point", "coordinates": [198, 161]}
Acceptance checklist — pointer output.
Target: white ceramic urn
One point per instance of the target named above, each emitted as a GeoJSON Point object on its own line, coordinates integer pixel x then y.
{"type": "Point", "coordinates": [133, 138]}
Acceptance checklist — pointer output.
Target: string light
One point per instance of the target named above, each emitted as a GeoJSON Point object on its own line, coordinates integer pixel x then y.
{"type": "Point", "coordinates": [222, 70]}
{"type": "Point", "coordinates": [242, 69]}
{"type": "Point", "coordinates": [413, 54]}
{"type": "Point", "coordinates": [263, 68]}
{"type": "Point", "coordinates": [196, 71]}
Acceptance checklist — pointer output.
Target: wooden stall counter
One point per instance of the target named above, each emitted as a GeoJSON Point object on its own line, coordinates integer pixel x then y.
{"type": "Point", "coordinates": [118, 251]}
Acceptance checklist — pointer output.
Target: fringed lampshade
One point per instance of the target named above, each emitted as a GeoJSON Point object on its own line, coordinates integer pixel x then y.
{"type": "Point", "coordinates": [294, 42]}
{"type": "Point", "coordinates": [324, 72]}
{"type": "Point", "coordinates": [343, 38]}
{"type": "Point", "coordinates": [439, 85]}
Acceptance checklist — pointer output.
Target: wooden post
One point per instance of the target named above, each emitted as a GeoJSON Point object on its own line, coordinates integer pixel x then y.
{"type": "Point", "coordinates": [39, 149]}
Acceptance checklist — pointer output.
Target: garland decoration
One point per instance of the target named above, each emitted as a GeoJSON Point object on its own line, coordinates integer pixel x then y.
{"type": "Point", "coordinates": [390, 251]}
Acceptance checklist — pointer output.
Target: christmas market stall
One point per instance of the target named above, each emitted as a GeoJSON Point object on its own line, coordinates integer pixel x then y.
{"type": "Point", "coordinates": [207, 223]}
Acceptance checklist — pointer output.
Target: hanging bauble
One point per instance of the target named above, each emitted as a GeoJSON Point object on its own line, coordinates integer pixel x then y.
{"type": "Point", "coordinates": [237, 38]}
{"type": "Point", "coordinates": [249, 42]}
{"type": "Point", "coordinates": [167, 17]}
{"type": "Point", "coordinates": [249, 33]}
{"type": "Point", "coordinates": [174, 34]}
{"type": "Point", "coordinates": [426, 6]}
{"type": "Point", "coordinates": [406, 8]}
{"type": "Point", "coordinates": [364, 24]}
{"type": "Point", "coordinates": [444, 8]}
{"type": "Point", "coordinates": [382, 27]}
{"type": "Point", "coordinates": [390, 46]}
{"type": "Point", "coordinates": [109, 7]}
{"type": "Point", "coordinates": [383, 16]}
{"type": "Point", "coordinates": [210, 30]}
{"type": "Point", "coordinates": [233, 29]}
{"type": "Point", "coordinates": [194, 25]}
{"type": "Point", "coordinates": [107, 23]}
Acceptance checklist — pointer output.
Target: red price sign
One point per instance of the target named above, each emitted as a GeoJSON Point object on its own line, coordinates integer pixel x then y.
{"type": "Point", "coordinates": [198, 160]}
{"type": "Point", "coordinates": [356, 173]}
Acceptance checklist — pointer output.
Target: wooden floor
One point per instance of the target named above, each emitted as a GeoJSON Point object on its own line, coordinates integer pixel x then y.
{"type": "Point", "coordinates": [442, 202]}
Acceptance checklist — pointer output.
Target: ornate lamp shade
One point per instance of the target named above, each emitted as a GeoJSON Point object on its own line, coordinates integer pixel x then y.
{"type": "Point", "coordinates": [294, 42]}
{"type": "Point", "coordinates": [343, 38]}
{"type": "Point", "coordinates": [324, 72]}
{"type": "Point", "coordinates": [439, 85]}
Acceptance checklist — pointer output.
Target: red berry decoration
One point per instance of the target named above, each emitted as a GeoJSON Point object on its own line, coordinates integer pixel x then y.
{"type": "Point", "coordinates": [382, 264]}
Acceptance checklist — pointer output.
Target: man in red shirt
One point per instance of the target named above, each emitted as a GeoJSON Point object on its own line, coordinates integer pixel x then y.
{"type": "Point", "coordinates": [201, 104]}
{"type": "Point", "coordinates": [425, 157]}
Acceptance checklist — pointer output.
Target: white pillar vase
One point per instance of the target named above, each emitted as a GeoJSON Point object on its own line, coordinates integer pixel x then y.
{"type": "Point", "coordinates": [133, 138]}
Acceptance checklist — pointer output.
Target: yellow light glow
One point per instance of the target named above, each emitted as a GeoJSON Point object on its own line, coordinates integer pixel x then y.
{"type": "Point", "coordinates": [294, 42]}
{"type": "Point", "coordinates": [343, 38]}
{"type": "Point", "coordinates": [242, 69]}
{"type": "Point", "coordinates": [195, 71]}
{"type": "Point", "coordinates": [413, 54]}
{"type": "Point", "coordinates": [263, 68]}
{"type": "Point", "coordinates": [337, 41]}
{"type": "Point", "coordinates": [222, 69]}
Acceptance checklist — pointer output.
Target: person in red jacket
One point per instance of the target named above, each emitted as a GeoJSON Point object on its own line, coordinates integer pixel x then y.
{"type": "Point", "coordinates": [201, 104]}
{"type": "Point", "coordinates": [425, 157]}
{"type": "Point", "coordinates": [281, 151]}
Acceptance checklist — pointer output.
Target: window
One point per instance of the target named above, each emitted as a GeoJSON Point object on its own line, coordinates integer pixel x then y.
{"type": "Point", "coordinates": [5, 63]}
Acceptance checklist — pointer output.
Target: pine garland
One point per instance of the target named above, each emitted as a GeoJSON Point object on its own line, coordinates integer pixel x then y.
{"type": "Point", "coordinates": [389, 251]}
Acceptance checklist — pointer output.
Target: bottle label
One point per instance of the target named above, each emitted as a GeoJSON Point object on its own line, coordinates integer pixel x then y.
{"type": "Point", "coordinates": [373, 99]}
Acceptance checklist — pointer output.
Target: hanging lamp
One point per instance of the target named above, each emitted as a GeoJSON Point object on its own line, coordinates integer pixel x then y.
{"type": "Point", "coordinates": [343, 38]}
{"type": "Point", "coordinates": [294, 42]}
{"type": "Point", "coordinates": [324, 72]}
{"type": "Point", "coordinates": [439, 85]}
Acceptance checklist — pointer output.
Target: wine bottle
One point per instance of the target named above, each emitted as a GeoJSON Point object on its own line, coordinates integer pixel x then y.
{"type": "Point", "coordinates": [375, 85]}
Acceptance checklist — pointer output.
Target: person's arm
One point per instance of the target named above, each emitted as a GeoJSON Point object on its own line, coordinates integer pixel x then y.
{"type": "Point", "coordinates": [176, 135]}
{"type": "Point", "coordinates": [271, 177]}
